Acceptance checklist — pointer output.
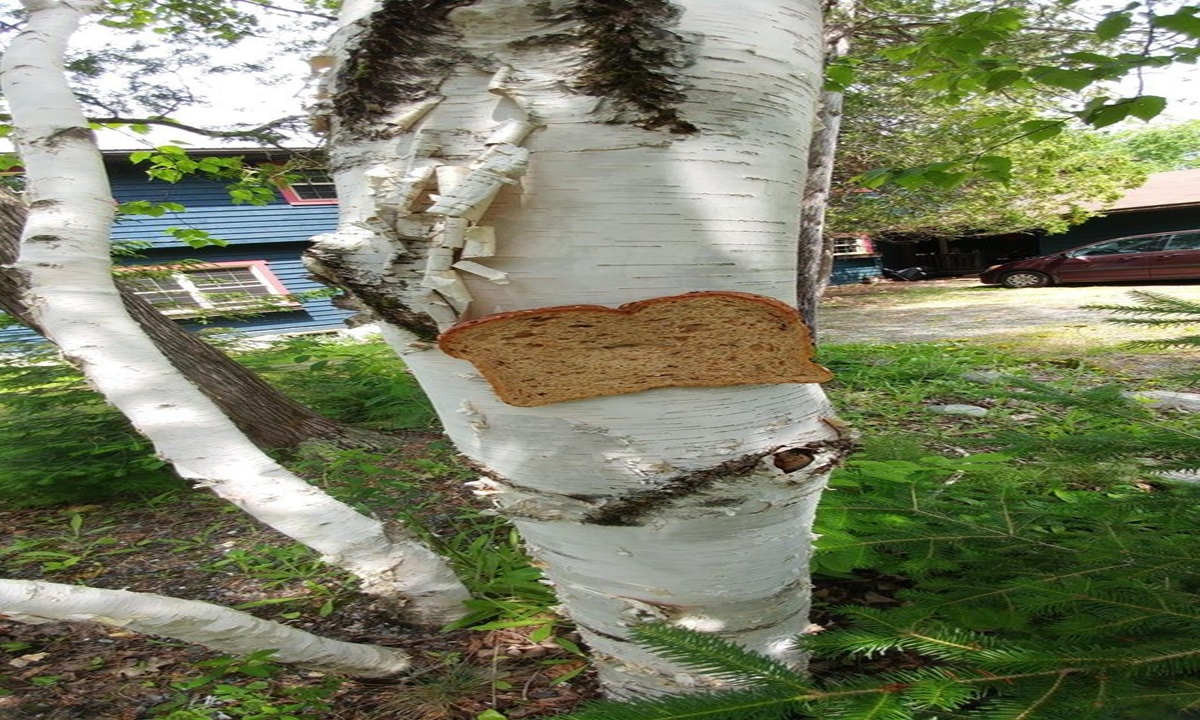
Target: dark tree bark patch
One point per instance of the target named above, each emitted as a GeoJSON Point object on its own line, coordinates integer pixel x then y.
{"type": "Point", "coordinates": [402, 56]}
{"type": "Point", "coordinates": [630, 54]}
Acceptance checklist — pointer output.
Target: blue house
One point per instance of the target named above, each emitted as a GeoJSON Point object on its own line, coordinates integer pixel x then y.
{"type": "Point", "coordinates": [255, 283]}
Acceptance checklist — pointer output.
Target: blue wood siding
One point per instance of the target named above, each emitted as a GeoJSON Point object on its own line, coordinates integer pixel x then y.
{"type": "Point", "coordinates": [283, 261]}
{"type": "Point", "coordinates": [849, 270]}
{"type": "Point", "coordinates": [209, 208]}
{"type": "Point", "coordinates": [277, 233]}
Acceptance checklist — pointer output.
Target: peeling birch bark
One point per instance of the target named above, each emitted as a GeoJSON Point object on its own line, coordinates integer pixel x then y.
{"type": "Point", "coordinates": [692, 506]}
{"type": "Point", "coordinates": [213, 626]}
{"type": "Point", "coordinates": [64, 259]}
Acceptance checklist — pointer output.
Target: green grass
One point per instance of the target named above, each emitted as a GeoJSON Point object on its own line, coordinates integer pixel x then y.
{"type": "Point", "coordinates": [60, 443]}
{"type": "Point", "coordinates": [1052, 483]}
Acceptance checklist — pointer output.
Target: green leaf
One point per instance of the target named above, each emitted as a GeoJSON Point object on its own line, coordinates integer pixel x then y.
{"type": "Point", "coordinates": [1001, 79]}
{"type": "Point", "coordinates": [995, 167]}
{"type": "Point", "coordinates": [1039, 130]}
{"type": "Point", "coordinates": [490, 715]}
{"type": "Point", "coordinates": [1090, 58]}
{"type": "Point", "coordinates": [964, 45]}
{"type": "Point", "coordinates": [1113, 25]}
{"type": "Point", "coordinates": [911, 178]}
{"type": "Point", "coordinates": [140, 156]}
{"type": "Point", "coordinates": [946, 180]}
{"type": "Point", "coordinates": [874, 178]}
{"type": "Point", "coordinates": [570, 647]}
{"type": "Point", "coordinates": [541, 633]}
{"type": "Point", "coordinates": [838, 77]}
{"type": "Point", "coordinates": [1105, 115]}
{"type": "Point", "coordinates": [1062, 77]}
{"type": "Point", "coordinates": [1183, 21]}
{"type": "Point", "coordinates": [1147, 107]}
{"type": "Point", "coordinates": [567, 676]}
{"type": "Point", "coordinates": [988, 121]}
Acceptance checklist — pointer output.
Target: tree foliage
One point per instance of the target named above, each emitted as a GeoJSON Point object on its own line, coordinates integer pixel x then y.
{"type": "Point", "coordinates": [962, 121]}
{"type": "Point", "coordinates": [1164, 147]}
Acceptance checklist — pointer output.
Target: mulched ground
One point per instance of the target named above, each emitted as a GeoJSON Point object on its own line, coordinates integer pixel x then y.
{"type": "Point", "coordinates": [191, 545]}
{"type": "Point", "coordinates": [195, 547]}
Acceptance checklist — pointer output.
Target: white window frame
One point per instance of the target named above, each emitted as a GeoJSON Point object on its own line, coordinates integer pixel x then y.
{"type": "Point", "coordinates": [288, 189]}
{"type": "Point", "coordinates": [861, 244]}
{"type": "Point", "coordinates": [277, 299]}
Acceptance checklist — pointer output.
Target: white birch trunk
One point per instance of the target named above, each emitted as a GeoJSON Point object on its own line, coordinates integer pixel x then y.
{"type": "Point", "coordinates": [213, 626]}
{"type": "Point", "coordinates": [815, 256]}
{"type": "Point", "coordinates": [65, 258]}
{"type": "Point", "coordinates": [661, 505]}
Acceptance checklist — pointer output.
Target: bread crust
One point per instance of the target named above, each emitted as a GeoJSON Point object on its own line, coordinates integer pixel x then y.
{"type": "Point", "coordinates": [571, 352]}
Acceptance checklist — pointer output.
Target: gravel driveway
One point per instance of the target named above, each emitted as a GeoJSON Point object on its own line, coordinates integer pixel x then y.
{"type": "Point", "coordinates": [962, 308]}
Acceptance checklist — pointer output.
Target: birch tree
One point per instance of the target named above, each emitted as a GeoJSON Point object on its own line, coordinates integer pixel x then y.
{"type": "Point", "coordinates": [502, 155]}
{"type": "Point", "coordinates": [215, 627]}
{"type": "Point", "coordinates": [64, 265]}
{"type": "Point", "coordinates": [815, 259]}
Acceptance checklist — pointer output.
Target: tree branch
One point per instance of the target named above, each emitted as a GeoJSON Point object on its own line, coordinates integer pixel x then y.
{"type": "Point", "coordinates": [291, 11]}
{"type": "Point", "coordinates": [266, 131]}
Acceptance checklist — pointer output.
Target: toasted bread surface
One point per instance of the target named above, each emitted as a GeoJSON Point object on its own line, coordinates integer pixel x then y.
{"type": "Point", "coordinates": [701, 339]}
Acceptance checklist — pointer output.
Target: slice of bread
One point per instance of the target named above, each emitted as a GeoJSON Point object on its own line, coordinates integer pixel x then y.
{"type": "Point", "coordinates": [701, 339]}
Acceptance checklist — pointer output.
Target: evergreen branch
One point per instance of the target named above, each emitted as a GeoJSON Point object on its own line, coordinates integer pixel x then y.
{"type": "Point", "coordinates": [1062, 677]}
{"type": "Point", "coordinates": [1011, 589]}
{"type": "Point", "coordinates": [1167, 657]}
{"type": "Point", "coordinates": [735, 705]}
{"type": "Point", "coordinates": [716, 657]}
{"type": "Point", "coordinates": [1152, 303]}
{"type": "Point", "coordinates": [1105, 400]}
{"type": "Point", "coordinates": [1182, 341]}
{"type": "Point", "coordinates": [1077, 596]}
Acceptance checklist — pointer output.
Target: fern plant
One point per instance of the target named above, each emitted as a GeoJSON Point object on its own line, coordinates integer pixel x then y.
{"type": "Point", "coordinates": [1159, 310]}
{"type": "Point", "coordinates": [1028, 602]}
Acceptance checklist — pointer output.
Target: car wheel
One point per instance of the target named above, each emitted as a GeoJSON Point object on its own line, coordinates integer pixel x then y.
{"type": "Point", "coordinates": [1025, 279]}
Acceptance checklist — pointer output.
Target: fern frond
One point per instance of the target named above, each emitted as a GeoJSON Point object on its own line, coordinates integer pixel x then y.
{"type": "Point", "coordinates": [760, 704]}
{"type": "Point", "coordinates": [940, 694]}
{"type": "Point", "coordinates": [1154, 304]}
{"type": "Point", "coordinates": [878, 706]}
{"type": "Point", "coordinates": [717, 657]}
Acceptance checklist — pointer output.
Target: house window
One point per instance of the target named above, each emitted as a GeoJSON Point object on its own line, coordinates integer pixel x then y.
{"type": "Point", "coordinates": [210, 289]}
{"type": "Point", "coordinates": [308, 187]}
{"type": "Point", "coordinates": [852, 245]}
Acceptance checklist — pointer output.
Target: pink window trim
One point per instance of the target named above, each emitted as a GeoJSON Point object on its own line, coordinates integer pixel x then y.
{"type": "Point", "coordinates": [290, 196]}
{"type": "Point", "coordinates": [293, 199]}
{"type": "Point", "coordinates": [261, 269]}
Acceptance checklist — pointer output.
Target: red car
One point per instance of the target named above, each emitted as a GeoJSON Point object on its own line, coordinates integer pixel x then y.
{"type": "Point", "coordinates": [1159, 256]}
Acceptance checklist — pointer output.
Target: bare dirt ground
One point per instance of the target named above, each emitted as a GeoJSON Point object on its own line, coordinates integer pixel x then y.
{"type": "Point", "coordinates": [961, 308]}
{"type": "Point", "coordinates": [1050, 321]}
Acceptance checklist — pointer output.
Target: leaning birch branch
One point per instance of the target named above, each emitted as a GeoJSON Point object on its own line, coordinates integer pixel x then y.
{"type": "Point", "coordinates": [64, 262]}
{"type": "Point", "coordinates": [213, 626]}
